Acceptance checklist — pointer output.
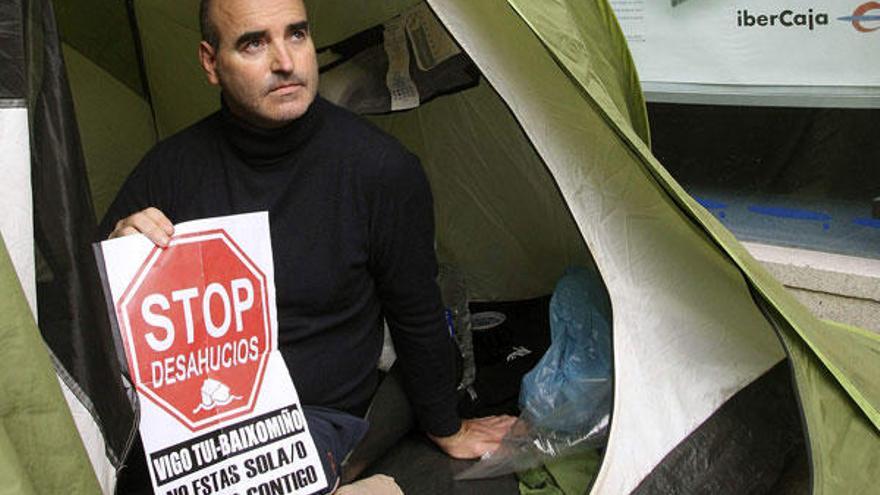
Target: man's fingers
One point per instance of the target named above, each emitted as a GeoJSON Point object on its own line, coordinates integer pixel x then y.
{"type": "Point", "coordinates": [150, 222]}
{"type": "Point", "coordinates": [122, 230]}
{"type": "Point", "coordinates": [476, 437]}
{"type": "Point", "coordinates": [496, 420]}
{"type": "Point", "coordinates": [483, 435]}
{"type": "Point", "coordinates": [494, 424]}
{"type": "Point", "coordinates": [160, 219]}
{"type": "Point", "coordinates": [145, 225]}
{"type": "Point", "coordinates": [488, 432]}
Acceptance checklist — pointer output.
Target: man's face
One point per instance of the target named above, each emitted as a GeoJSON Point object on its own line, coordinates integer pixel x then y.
{"type": "Point", "coordinates": [265, 60]}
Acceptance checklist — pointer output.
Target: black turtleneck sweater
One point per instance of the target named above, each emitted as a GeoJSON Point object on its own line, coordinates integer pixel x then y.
{"type": "Point", "coordinates": [351, 218]}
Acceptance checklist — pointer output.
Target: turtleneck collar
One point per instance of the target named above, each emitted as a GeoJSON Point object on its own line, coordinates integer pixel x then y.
{"type": "Point", "coordinates": [260, 147]}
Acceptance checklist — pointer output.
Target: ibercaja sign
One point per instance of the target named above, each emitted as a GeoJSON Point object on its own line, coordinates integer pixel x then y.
{"type": "Point", "coordinates": [197, 321]}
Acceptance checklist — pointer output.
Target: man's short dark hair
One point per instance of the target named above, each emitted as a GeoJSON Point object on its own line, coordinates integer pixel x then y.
{"type": "Point", "coordinates": [206, 25]}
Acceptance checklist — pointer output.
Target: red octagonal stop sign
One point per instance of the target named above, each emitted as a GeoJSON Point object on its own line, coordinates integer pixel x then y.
{"type": "Point", "coordinates": [196, 329]}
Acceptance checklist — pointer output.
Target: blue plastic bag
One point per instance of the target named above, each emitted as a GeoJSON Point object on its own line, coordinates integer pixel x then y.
{"type": "Point", "coordinates": [574, 376]}
{"type": "Point", "coordinates": [566, 398]}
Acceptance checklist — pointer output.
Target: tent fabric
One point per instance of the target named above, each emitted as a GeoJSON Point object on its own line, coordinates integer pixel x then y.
{"type": "Point", "coordinates": [334, 22]}
{"type": "Point", "coordinates": [40, 449]}
{"type": "Point", "coordinates": [16, 202]}
{"type": "Point", "coordinates": [115, 125]}
{"type": "Point", "coordinates": [13, 77]}
{"type": "Point", "coordinates": [589, 45]}
{"type": "Point", "coordinates": [843, 442]}
{"type": "Point", "coordinates": [179, 93]}
{"type": "Point", "coordinates": [71, 312]}
{"type": "Point", "coordinates": [570, 475]}
{"type": "Point", "coordinates": [102, 31]}
{"type": "Point", "coordinates": [15, 224]}
{"type": "Point", "coordinates": [745, 447]}
{"type": "Point", "coordinates": [530, 242]}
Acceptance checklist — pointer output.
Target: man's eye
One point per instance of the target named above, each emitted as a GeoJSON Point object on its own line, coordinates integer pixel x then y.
{"type": "Point", "coordinates": [299, 34]}
{"type": "Point", "coordinates": [252, 45]}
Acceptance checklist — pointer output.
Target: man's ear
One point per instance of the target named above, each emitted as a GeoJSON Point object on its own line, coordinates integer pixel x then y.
{"type": "Point", "coordinates": [208, 59]}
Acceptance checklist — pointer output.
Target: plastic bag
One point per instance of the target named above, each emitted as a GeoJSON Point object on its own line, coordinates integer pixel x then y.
{"type": "Point", "coordinates": [566, 399]}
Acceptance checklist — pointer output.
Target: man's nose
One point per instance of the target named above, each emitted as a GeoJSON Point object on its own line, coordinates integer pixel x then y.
{"type": "Point", "coordinates": [282, 59]}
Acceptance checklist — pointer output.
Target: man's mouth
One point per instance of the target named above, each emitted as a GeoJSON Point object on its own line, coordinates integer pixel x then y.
{"type": "Point", "coordinates": [285, 88]}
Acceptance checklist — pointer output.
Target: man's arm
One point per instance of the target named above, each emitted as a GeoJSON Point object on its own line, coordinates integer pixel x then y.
{"type": "Point", "coordinates": [404, 266]}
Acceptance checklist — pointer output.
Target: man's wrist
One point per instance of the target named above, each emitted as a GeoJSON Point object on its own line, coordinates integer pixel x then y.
{"type": "Point", "coordinates": [439, 421]}
{"type": "Point", "coordinates": [450, 437]}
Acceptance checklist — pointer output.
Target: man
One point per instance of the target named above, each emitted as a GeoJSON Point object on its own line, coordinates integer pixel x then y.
{"type": "Point", "coordinates": [350, 214]}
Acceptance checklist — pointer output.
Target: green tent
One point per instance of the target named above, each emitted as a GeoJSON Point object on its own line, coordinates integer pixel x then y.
{"type": "Point", "coordinates": [542, 161]}
{"type": "Point", "coordinates": [40, 450]}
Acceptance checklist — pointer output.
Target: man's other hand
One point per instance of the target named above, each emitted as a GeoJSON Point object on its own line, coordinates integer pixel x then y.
{"type": "Point", "coordinates": [151, 222]}
{"type": "Point", "coordinates": [476, 437]}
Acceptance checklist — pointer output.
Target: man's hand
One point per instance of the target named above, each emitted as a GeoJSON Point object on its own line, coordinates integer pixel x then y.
{"type": "Point", "coordinates": [151, 222]}
{"type": "Point", "coordinates": [476, 437]}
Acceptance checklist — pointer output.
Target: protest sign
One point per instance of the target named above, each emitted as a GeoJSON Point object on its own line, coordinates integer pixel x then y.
{"type": "Point", "coordinates": [198, 324]}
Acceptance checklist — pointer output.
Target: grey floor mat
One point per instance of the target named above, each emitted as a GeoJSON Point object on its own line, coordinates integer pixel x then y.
{"type": "Point", "coordinates": [422, 469]}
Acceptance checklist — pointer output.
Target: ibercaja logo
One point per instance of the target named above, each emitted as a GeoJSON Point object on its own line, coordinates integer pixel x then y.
{"type": "Point", "coordinates": [865, 18]}
{"type": "Point", "coordinates": [195, 325]}
{"type": "Point", "coordinates": [808, 19]}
